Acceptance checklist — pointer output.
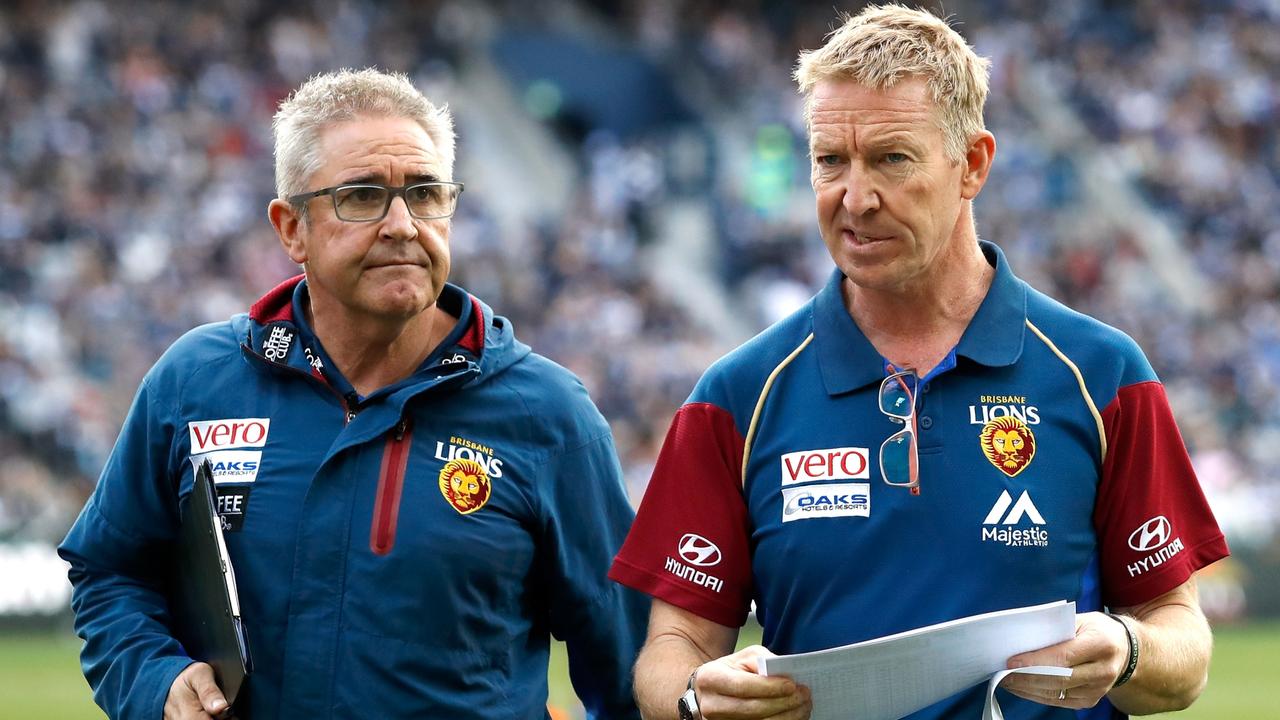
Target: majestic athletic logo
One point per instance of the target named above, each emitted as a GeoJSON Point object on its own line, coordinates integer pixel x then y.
{"type": "Point", "coordinates": [1024, 508]}
{"type": "Point", "coordinates": [999, 525]}
{"type": "Point", "coordinates": [1150, 535]}
{"type": "Point", "coordinates": [697, 550]}
{"type": "Point", "coordinates": [1009, 444]}
{"type": "Point", "coordinates": [465, 484]}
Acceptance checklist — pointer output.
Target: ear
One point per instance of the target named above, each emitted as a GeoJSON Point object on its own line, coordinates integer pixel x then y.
{"type": "Point", "coordinates": [290, 228]}
{"type": "Point", "coordinates": [982, 150]}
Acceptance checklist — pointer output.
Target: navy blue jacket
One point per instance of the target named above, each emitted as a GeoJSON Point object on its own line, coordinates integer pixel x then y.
{"type": "Point", "coordinates": [407, 554]}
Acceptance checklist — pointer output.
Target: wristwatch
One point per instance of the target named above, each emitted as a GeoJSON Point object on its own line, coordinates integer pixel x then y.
{"type": "Point", "coordinates": [687, 705]}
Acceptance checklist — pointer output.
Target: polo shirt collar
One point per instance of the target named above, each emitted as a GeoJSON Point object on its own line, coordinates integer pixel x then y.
{"type": "Point", "coordinates": [848, 361]}
{"type": "Point", "coordinates": [996, 333]}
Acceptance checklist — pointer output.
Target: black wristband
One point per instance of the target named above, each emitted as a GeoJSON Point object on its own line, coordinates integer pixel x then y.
{"type": "Point", "coordinates": [1132, 663]}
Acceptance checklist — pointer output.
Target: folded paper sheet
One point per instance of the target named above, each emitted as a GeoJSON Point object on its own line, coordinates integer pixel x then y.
{"type": "Point", "coordinates": [896, 675]}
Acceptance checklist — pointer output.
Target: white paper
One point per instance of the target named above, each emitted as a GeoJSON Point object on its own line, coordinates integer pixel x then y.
{"type": "Point", "coordinates": [896, 675]}
{"type": "Point", "coordinates": [992, 711]}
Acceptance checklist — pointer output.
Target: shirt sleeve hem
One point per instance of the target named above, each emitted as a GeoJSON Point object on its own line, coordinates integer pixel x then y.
{"type": "Point", "coordinates": [1200, 556]}
{"type": "Point", "coordinates": [661, 588]}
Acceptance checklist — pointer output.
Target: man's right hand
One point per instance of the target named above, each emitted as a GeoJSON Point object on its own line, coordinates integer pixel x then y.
{"type": "Point", "coordinates": [729, 688]}
{"type": "Point", "coordinates": [194, 695]}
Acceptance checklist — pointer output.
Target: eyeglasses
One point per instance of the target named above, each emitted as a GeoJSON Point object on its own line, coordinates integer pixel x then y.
{"type": "Point", "coordinates": [899, 461]}
{"type": "Point", "coordinates": [367, 202]}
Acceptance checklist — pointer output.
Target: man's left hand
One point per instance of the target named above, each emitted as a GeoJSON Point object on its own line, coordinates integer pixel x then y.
{"type": "Point", "coordinates": [1096, 655]}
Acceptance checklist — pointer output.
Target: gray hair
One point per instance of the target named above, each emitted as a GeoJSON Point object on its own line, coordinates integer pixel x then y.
{"type": "Point", "coordinates": [887, 43]}
{"type": "Point", "coordinates": [341, 96]}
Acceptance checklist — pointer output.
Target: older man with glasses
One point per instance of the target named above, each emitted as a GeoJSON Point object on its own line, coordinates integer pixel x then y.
{"type": "Point", "coordinates": [413, 501]}
{"type": "Point", "coordinates": [929, 438]}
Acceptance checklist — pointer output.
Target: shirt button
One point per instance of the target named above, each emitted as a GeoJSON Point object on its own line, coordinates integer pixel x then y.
{"type": "Point", "coordinates": [924, 388]}
{"type": "Point", "coordinates": [926, 422]}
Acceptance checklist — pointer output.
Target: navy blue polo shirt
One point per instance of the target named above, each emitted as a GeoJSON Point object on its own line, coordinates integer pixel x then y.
{"type": "Point", "coordinates": [1050, 468]}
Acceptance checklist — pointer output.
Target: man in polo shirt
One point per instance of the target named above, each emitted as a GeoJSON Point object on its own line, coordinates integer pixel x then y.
{"type": "Point", "coordinates": [928, 438]}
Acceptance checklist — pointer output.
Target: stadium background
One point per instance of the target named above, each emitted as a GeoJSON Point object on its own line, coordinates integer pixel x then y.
{"type": "Point", "coordinates": [637, 202]}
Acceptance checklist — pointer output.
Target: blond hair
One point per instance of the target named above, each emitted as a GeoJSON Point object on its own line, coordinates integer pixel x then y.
{"type": "Point", "coordinates": [341, 96]}
{"type": "Point", "coordinates": [887, 43]}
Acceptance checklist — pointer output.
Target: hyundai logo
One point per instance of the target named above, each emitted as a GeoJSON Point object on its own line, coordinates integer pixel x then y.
{"type": "Point", "coordinates": [697, 550]}
{"type": "Point", "coordinates": [1151, 535]}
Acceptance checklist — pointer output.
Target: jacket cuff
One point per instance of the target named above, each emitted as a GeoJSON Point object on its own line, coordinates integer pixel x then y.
{"type": "Point", "coordinates": [162, 672]}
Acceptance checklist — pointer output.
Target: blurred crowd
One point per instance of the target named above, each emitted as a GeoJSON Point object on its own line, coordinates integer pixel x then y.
{"type": "Point", "coordinates": [135, 167]}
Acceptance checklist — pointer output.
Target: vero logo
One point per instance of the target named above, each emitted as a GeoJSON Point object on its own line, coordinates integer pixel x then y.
{"type": "Point", "coordinates": [848, 463]}
{"type": "Point", "coordinates": [209, 435]}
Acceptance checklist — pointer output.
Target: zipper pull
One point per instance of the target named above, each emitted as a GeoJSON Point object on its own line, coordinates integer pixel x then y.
{"type": "Point", "coordinates": [400, 429]}
{"type": "Point", "coordinates": [349, 403]}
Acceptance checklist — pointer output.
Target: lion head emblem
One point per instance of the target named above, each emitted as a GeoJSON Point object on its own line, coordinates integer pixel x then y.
{"type": "Point", "coordinates": [1008, 443]}
{"type": "Point", "coordinates": [465, 484]}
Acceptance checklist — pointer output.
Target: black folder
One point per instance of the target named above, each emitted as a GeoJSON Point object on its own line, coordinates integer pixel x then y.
{"type": "Point", "coordinates": [204, 602]}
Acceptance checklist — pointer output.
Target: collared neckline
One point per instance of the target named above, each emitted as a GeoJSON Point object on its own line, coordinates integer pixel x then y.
{"type": "Point", "coordinates": [847, 360]}
{"type": "Point", "coordinates": [453, 300]}
{"type": "Point", "coordinates": [997, 331]}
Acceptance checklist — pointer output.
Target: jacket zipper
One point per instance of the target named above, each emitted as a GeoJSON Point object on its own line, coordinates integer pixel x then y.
{"type": "Point", "coordinates": [386, 508]}
{"type": "Point", "coordinates": [395, 457]}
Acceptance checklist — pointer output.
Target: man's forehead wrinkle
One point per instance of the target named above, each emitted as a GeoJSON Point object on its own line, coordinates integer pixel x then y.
{"type": "Point", "coordinates": [885, 102]}
{"type": "Point", "coordinates": [349, 142]}
{"type": "Point", "coordinates": [877, 131]}
{"type": "Point", "coordinates": [379, 159]}
{"type": "Point", "coordinates": [864, 116]}
{"type": "Point", "coordinates": [381, 165]}
{"type": "Point", "coordinates": [399, 150]}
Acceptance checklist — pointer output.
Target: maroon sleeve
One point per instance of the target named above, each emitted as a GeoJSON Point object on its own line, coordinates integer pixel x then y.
{"type": "Point", "coordinates": [1154, 526]}
{"type": "Point", "coordinates": [689, 543]}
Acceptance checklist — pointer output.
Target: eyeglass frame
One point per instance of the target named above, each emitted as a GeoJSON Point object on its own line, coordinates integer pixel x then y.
{"type": "Point", "coordinates": [393, 192]}
{"type": "Point", "coordinates": [909, 429]}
